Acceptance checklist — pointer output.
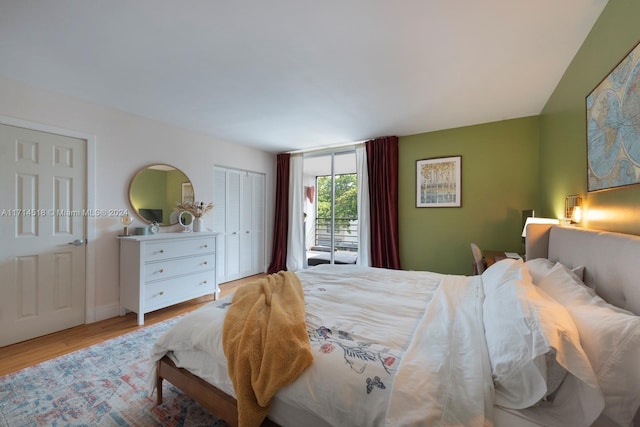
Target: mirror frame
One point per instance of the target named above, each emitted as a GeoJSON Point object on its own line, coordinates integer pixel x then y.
{"type": "Point", "coordinates": [159, 166]}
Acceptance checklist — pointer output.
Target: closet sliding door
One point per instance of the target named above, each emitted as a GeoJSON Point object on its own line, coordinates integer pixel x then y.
{"type": "Point", "coordinates": [220, 221]}
{"type": "Point", "coordinates": [252, 224]}
{"type": "Point", "coordinates": [239, 216]}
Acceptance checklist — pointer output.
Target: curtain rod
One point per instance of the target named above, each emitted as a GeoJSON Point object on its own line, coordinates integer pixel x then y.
{"type": "Point", "coordinates": [327, 148]}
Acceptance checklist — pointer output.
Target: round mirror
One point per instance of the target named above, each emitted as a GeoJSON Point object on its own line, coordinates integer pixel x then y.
{"type": "Point", "coordinates": [156, 189]}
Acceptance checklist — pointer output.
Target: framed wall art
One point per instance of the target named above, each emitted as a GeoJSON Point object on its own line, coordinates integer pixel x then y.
{"type": "Point", "coordinates": [613, 126]}
{"type": "Point", "coordinates": [438, 182]}
{"type": "Point", "coordinates": [187, 192]}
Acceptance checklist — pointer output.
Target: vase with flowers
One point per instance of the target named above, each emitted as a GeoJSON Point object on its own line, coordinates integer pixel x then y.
{"type": "Point", "coordinates": [197, 209]}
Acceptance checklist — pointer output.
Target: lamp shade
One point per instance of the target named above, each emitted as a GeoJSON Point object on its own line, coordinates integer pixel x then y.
{"type": "Point", "coordinates": [538, 220]}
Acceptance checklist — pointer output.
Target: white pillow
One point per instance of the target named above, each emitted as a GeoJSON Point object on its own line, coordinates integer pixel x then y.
{"type": "Point", "coordinates": [524, 327]}
{"type": "Point", "coordinates": [496, 272]}
{"type": "Point", "coordinates": [579, 272]}
{"type": "Point", "coordinates": [610, 337]}
{"type": "Point", "coordinates": [540, 267]}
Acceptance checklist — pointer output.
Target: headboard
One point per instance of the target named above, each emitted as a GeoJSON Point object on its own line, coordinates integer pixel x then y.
{"type": "Point", "coordinates": [611, 260]}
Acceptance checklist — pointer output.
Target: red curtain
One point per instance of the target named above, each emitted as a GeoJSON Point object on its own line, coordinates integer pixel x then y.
{"type": "Point", "coordinates": [281, 222]}
{"type": "Point", "coordinates": [382, 164]}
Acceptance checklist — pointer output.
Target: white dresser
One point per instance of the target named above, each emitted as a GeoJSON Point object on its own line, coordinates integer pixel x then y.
{"type": "Point", "coordinates": [160, 270]}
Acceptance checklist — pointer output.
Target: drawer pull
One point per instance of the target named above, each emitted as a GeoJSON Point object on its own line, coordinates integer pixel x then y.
{"type": "Point", "coordinates": [162, 270]}
{"type": "Point", "coordinates": [161, 251]}
{"type": "Point", "coordinates": [206, 246]}
{"type": "Point", "coordinates": [204, 283]}
{"type": "Point", "coordinates": [161, 292]}
{"type": "Point", "coordinates": [205, 263]}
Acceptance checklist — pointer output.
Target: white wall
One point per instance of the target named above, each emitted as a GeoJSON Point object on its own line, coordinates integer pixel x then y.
{"type": "Point", "coordinates": [123, 144]}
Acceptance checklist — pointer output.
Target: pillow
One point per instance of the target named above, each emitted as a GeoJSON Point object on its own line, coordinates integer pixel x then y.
{"type": "Point", "coordinates": [527, 334]}
{"type": "Point", "coordinates": [540, 267]}
{"type": "Point", "coordinates": [578, 272]}
{"type": "Point", "coordinates": [610, 337]}
{"type": "Point", "coordinates": [497, 271]}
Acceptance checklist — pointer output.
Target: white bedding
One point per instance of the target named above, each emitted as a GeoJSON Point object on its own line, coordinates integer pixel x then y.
{"type": "Point", "coordinates": [444, 378]}
{"type": "Point", "coordinates": [390, 348]}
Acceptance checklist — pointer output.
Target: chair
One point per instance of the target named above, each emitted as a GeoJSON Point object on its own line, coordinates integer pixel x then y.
{"type": "Point", "coordinates": [479, 264]}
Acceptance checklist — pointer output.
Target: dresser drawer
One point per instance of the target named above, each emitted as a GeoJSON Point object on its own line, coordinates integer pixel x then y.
{"type": "Point", "coordinates": [166, 269]}
{"type": "Point", "coordinates": [178, 248]}
{"type": "Point", "coordinates": [172, 291]}
{"type": "Point", "coordinates": [160, 270]}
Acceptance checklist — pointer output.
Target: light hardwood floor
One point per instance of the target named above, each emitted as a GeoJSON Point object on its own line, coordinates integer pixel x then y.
{"type": "Point", "coordinates": [28, 353]}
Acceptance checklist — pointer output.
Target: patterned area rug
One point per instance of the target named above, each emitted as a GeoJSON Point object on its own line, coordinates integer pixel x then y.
{"type": "Point", "coordinates": [103, 385]}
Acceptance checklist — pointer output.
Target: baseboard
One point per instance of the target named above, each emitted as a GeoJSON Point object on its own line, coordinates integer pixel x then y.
{"type": "Point", "coordinates": [107, 311]}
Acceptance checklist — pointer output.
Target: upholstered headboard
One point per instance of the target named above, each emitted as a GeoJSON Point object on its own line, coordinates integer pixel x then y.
{"type": "Point", "coordinates": [611, 260]}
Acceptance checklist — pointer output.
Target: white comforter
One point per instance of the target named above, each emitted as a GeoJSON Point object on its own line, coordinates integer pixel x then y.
{"type": "Point", "coordinates": [444, 378]}
{"type": "Point", "coordinates": [390, 348]}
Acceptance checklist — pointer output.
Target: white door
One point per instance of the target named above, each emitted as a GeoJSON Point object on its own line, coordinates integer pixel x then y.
{"type": "Point", "coordinates": [239, 216]}
{"type": "Point", "coordinates": [220, 222]}
{"type": "Point", "coordinates": [42, 228]}
{"type": "Point", "coordinates": [246, 224]}
{"type": "Point", "coordinates": [257, 223]}
{"type": "Point", "coordinates": [252, 223]}
{"type": "Point", "coordinates": [233, 224]}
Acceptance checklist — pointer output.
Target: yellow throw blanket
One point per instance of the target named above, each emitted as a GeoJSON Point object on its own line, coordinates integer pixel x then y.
{"type": "Point", "coordinates": [265, 341]}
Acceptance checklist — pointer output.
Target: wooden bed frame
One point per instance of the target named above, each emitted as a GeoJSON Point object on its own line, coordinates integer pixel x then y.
{"type": "Point", "coordinates": [211, 398]}
{"type": "Point", "coordinates": [607, 255]}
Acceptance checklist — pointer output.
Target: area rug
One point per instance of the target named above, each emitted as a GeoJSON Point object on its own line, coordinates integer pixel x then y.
{"type": "Point", "coordinates": [102, 385]}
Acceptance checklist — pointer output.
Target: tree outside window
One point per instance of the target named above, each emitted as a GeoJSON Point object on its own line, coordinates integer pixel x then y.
{"type": "Point", "coordinates": [346, 209]}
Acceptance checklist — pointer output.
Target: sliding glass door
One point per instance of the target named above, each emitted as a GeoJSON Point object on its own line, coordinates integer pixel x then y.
{"type": "Point", "coordinates": [331, 208]}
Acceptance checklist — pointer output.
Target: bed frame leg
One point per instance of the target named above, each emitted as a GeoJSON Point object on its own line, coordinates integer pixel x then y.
{"type": "Point", "coordinates": [159, 390]}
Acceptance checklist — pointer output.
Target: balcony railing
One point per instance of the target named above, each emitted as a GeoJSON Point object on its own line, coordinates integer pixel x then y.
{"type": "Point", "coordinates": [346, 233]}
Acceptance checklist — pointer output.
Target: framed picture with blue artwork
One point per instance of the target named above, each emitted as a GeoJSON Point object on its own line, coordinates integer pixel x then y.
{"type": "Point", "coordinates": [613, 126]}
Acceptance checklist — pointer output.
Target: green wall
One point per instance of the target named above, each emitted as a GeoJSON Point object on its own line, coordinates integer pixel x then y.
{"type": "Point", "coordinates": [499, 180]}
{"type": "Point", "coordinates": [150, 190]}
{"type": "Point", "coordinates": [563, 148]}
{"type": "Point", "coordinates": [175, 178]}
{"type": "Point", "coordinates": [528, 163]}
{"type": "Point", "coordinates": [158, 189]}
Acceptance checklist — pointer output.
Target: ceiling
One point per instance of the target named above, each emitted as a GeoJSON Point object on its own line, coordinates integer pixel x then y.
{"type": "Point", "coordinates": [286, 75]}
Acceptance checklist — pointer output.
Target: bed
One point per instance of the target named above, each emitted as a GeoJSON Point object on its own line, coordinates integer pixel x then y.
{"type": "Point", "coordinates": [420, 348]}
